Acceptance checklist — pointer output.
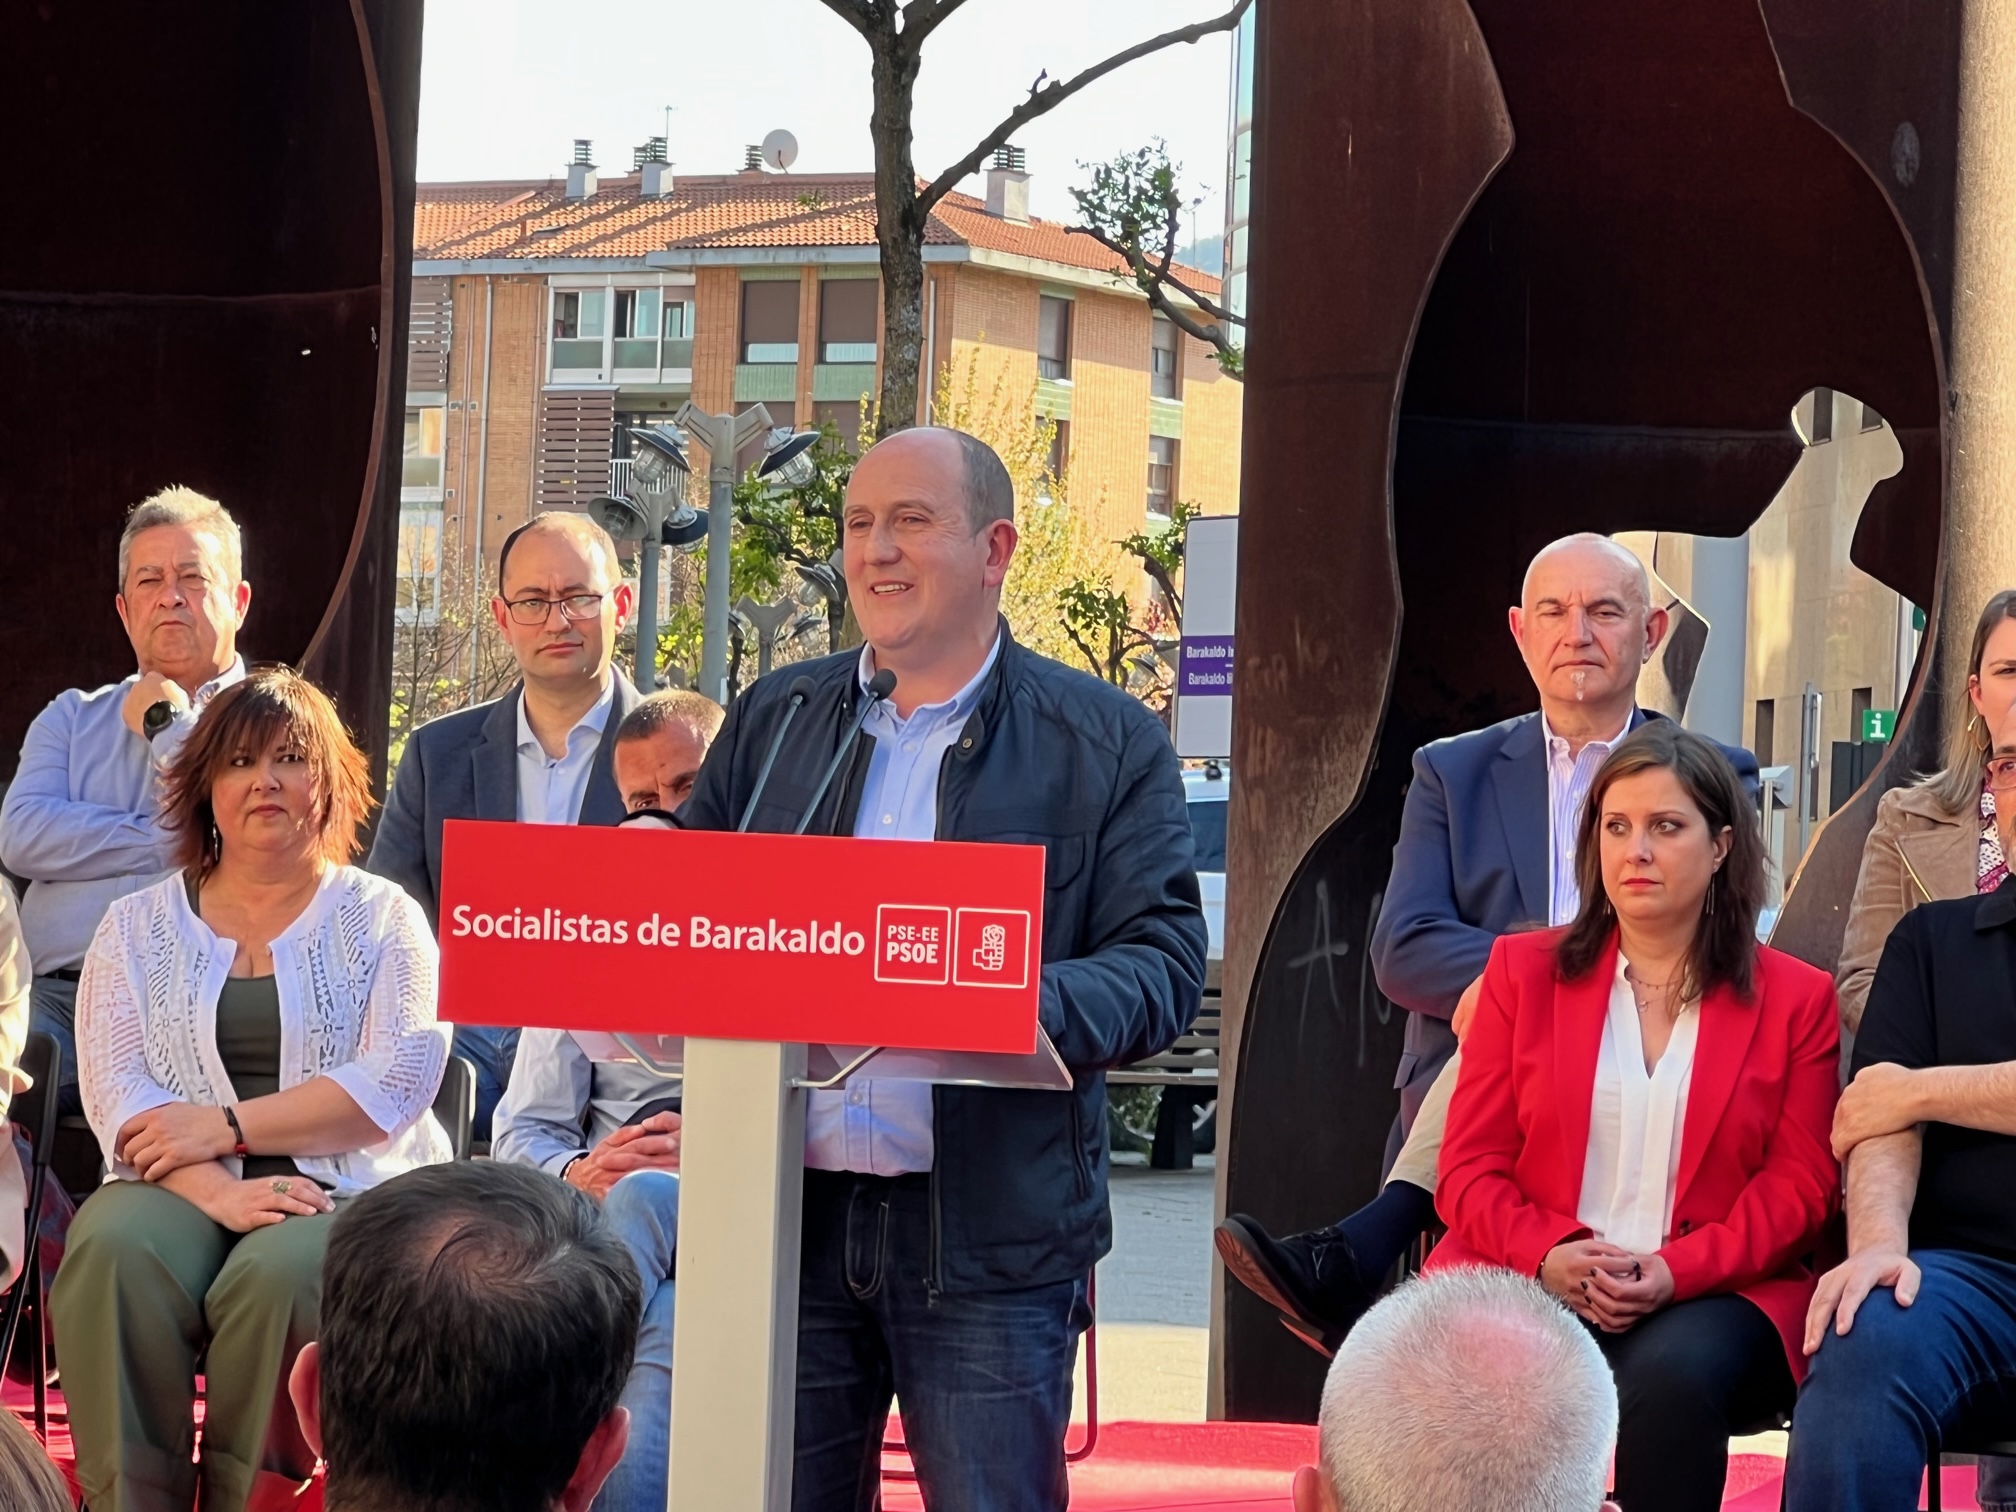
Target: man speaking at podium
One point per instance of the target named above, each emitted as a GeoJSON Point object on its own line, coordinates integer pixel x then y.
{"type": "Point", "coordinates": [949, 1232]}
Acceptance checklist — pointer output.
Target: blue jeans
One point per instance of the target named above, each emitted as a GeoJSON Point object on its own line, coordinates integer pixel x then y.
{"type": "Point", "coordinates": [52, 1009]}
{"type": "Point", "coordinates": [491, 1052]}
{"type": "Point", "coordinates": [1878, 1400]}
{"type": "Point", "coordinates": [984, 1378]}
{"type": "Point", "coordinates": [643, 1209]}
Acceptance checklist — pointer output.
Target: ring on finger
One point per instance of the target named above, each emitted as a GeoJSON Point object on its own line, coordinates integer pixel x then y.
{"type": "Point", "coordinates": [282, 1186]}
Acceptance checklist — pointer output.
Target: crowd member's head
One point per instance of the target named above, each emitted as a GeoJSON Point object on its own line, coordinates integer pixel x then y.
{"type": "Point", "coordinates": [1668, 842]}
{"type": "Point", "coordinates": [1977, 713]}
{"type": "Point", "coordinates": [1585, 625]}
{"type": "Point", "coordinates": [1471, 1389]}
{"type": "Point", "coordinates": [182, 589]}
{"type": "Point", "coordinates": [478, 1323]}
{"type": "Point", "coordinates": [561, 599]}
{"type": "Point", "coordinates": [268, 774]}
{"type": "Point", "coordinates": [660, 745]}
{"type": "Point", "coordinates": [927, 533]}
{"type": "Point", "coordinates": [29, 1482]}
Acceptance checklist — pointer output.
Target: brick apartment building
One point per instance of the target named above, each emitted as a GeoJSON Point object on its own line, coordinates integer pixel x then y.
{"type": "Point", "coordinates": [549, 316]}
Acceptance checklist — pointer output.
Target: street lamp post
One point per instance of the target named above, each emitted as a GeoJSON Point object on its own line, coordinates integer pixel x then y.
{"type": "Point", "coordinates": [654, 513]}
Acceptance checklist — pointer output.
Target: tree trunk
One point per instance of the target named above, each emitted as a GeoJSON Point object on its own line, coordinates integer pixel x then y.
{"type": "Point", "coordinates": [899, 229]}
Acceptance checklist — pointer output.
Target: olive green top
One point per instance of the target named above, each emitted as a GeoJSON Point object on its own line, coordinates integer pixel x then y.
{"type": "Point", "coordinates": [248, 1042]}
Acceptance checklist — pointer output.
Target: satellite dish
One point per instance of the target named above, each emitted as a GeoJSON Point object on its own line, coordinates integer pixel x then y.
{"type": "Point", "coordinates": [780, 149]}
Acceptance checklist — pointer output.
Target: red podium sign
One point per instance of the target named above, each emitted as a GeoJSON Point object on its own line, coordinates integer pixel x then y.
{"type": "Point", "coordinates": [733, 936]}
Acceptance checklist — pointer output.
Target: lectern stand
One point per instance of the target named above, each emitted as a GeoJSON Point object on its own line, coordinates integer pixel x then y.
{"type": "Point", "coordinates": [932, 952]}
{"type": "Point", "coordinates": [734, 1328]}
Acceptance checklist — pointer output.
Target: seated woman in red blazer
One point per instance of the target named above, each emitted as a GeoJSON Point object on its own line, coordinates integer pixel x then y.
{"type": "Point", "coordinates": [1643, 1113]}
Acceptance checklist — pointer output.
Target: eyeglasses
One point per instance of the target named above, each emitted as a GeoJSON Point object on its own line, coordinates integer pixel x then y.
{"type": "Point", "coordinates": [2002, 774]}
{"type": "Point", "coordinates": [536, 611]}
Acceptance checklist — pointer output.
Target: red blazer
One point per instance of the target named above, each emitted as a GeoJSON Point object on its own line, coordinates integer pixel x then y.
{"type": "Point", "coordinates": [1757, 1178]}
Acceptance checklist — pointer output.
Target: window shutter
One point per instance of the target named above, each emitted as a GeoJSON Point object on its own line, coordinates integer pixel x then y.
{"type": "Point", "coordinates": [428, 329]}
{"type": "Point", "coordinates": [576, 428]}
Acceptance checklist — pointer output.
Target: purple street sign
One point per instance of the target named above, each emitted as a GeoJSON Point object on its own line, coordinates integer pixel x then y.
{"type": "Point", "coordinates": [1207, 667]}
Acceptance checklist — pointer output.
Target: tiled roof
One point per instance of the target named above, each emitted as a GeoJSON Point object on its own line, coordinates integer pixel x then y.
{"type": "Point", "coordinates": [454, 222]}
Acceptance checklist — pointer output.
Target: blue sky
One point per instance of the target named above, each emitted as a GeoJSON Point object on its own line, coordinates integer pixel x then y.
{"type": "Point", "coordinates": [508, 84]}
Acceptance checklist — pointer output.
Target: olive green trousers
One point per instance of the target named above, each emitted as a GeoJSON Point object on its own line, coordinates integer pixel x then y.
{"type": "Point", "coordinates": [150, 1286]}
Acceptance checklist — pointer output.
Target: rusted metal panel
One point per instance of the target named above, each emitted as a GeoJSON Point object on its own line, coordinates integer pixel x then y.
{"type": "Point", "coordinates": [1669, 257]}
{"type": "Point", "coordinates": [208, 291]}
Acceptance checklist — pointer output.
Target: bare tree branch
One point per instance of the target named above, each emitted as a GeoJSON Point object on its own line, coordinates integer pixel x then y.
{"type": "Point", "coordinates": [1046, 98]}
{"type": "Point", "coordinates": [923, 17]}
{"type": "Point", "coordinates": [859, 14]}
{"type": "Point", "coordinates": [1152, 286]}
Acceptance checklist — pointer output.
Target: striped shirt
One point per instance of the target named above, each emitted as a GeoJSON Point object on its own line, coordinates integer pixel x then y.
{"type": "Point", "coordinates": [1568, 779]}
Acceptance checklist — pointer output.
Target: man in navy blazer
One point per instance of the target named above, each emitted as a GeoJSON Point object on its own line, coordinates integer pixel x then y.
{"type": "Point", "coordinates": [1486, 847]}
{"type": "Point", "coordinates": [541, 754]}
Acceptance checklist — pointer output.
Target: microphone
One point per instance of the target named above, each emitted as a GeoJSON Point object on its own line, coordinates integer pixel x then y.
{"type": "Point", "coordinates": [800, 691]}
{"type": "Point", "coordinates": [880, 686]}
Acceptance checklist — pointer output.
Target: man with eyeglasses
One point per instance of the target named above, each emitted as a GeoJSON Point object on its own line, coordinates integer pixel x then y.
{"type": "Point", "coordinates": [541, 754]}
{"type": "Point", "coordinates": [1915, 1334]}
{"type": "Point", "coordinates": [79, 823]}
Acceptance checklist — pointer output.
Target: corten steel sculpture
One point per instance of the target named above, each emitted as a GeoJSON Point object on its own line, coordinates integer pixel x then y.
{"type": "Point", "coordinates": [1521, 270]}
{"type": "Point", "coordinates": [204, 282]}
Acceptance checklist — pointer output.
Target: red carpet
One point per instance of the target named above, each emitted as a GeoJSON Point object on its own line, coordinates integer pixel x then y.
{"type": "Point", "coordinates": [1166, 1467]}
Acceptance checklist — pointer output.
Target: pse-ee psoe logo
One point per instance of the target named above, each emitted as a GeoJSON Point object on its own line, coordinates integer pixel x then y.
{"type": "Point", "coordinates": [929, 946]}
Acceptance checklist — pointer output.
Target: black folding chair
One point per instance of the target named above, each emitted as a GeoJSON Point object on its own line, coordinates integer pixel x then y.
{"type": "Point", "coordinates": [35, 1111]}
{"type": "Point", "coordinates": [455, 1104]}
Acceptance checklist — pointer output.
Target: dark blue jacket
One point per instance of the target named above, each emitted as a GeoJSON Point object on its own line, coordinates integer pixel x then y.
{"type": "Point", "coordinates": [465, 766]}
{"type": "Point", "coordinates": [1471, 864]}
{"type": "Point", "coordinates": [1049, 757]}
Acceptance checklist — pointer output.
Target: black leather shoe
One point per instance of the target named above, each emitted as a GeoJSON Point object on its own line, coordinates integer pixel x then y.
{"type": "Point", "coordinates": [1310, 1279]}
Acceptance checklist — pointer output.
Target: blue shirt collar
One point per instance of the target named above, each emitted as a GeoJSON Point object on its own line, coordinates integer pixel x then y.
{"type": "Point", "coordinates": [958, 706]}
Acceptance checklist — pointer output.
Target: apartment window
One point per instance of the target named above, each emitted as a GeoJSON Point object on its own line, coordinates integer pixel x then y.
{"type": "Point", "coordinates": [417, 594]}
{"type": "Point", "coordinates": [637, 317]}
{"type": "Point", "coordinates": [770, 320]}
{"type": "Point", "coordinates": [847, 320]}
{"type": "Point", "coordinates": [580, 322]}
{"type": "Point", "coordinates": [1823, 417]}
{"type": "Point", "coordinates": [844, 415]}
{"type": "Point", "coordinates": [1760, 739]}
{"type": "Point", "coordinates": [1053, 337]}
{"type": "Point", "coordinates": [1162, 457]}
{"type": "Point", "coordinates": [1165, 354]}
{"type": "Point", "coordinates": [422, 466]}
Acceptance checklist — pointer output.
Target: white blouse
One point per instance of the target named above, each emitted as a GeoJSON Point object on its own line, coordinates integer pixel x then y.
{"type": "Point", "coordinates": [1635, 1123]}
{"type": "Point", "coordinates": [355, 975]}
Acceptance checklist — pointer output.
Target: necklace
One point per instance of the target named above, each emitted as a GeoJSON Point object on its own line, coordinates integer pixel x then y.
{"type": "Point", "coordinates": [1642, 990]}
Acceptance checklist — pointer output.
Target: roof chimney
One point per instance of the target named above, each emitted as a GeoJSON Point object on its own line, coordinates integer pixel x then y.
{"type": "Point", "coordinates": [581, 172]}
{"type": "Point", "coordinates": [752, 158]}
{"type": "Point", "coordinates": [1008, 186]}
{"type": "Point", "coordinates": [654, 174]}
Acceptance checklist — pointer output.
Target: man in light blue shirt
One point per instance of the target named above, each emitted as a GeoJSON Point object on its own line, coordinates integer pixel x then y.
{"type": "Point", "coordinates": [79, 822]}
{"type": "Point", "coordinates": [541, 754]}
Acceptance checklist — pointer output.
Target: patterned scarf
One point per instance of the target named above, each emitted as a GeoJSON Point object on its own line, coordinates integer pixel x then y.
{"type": "Point", "coordinates": [1992, 869]}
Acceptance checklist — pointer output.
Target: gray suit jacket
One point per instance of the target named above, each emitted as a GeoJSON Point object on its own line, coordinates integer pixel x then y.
{"type": "Point", "coordinates": [465, 766]}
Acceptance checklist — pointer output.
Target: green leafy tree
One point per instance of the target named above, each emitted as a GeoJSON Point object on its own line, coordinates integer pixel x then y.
{"type": "Point", "coordinates": [1134, 206]}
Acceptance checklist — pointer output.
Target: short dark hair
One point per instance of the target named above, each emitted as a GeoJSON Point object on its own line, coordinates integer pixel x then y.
{"type": "Point", "coordinates": [246, 718]}
{"type": "Point", "coordinates": [1725, 944]}
{"type": "Point", "coordinates": [673, 706]}
{"type": "Point", "coordinates": [990, 493]}
{"type": "Point", "coordinates": [478, 1322]}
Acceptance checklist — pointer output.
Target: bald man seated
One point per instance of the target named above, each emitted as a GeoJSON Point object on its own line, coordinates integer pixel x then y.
{"type": "Point", "coordinates": [1486, 848]}
{"type": "Point", "coordinates": [541, 754]}
{"type": "Point", "coordinates": [1487, 1396]}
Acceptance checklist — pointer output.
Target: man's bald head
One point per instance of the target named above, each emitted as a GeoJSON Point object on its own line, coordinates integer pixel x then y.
{"type": "Point", "coordinates": [594, 542]}
{"type": "Point", "coordinates": [983, 477]}
{"type": "Point", "coordinates": [1588, 545]}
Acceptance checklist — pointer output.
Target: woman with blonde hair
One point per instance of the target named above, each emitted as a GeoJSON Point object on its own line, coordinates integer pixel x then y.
{"type": "Point", "coordinates": [257, 1041]}
{"type": "Point", "coordinates": [1936, 838]}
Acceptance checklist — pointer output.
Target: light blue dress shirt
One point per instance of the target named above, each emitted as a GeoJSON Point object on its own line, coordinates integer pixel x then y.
{"type": "Point", "coordinates": [79, 821]}
{"type": "Point", "coordinates": [883, 1128]}
{"type": "Point", "coordinates": [550, 789]}
{"type": "Point", "coordinates": [555, 1090]}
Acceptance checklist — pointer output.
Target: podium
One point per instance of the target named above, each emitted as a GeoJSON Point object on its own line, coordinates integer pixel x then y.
{"type": "Point", "coordinates": [793, 964]}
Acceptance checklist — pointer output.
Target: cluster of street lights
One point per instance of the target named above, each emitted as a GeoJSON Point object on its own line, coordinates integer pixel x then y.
{"type": "Point", "coordinates": [653, 511]}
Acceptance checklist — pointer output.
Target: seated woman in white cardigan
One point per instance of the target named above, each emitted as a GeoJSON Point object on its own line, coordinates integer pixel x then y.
{"type": "Point", "coordinates": [257, 1041]}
